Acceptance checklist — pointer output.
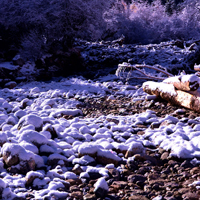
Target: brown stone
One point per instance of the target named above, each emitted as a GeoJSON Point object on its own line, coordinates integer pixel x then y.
{"type": "Point", "coordinates": [182, 191]}
{"type": "Point", "coordinates": [187, 182]}
{"type": "Point", "coordinates": [77, 170]}
{"type": "Point", "coordinates": [164, 156]}
{"type": "Point", "coordinates": [195, 170]}
{"type": "Point", "coordinates": [119, 184]}
{"type": "Point", "coordinates": [10, 160]}
{"type": "Point", "coordinates": [74, 188]}
{"type": "Point", "coordinates": [158, 181]}
{"type": "Point", "coordinates": [141, 126]}
{"type": "Point", "coordinates": [104, 160]}
{"type": "Point", "coordinates": [76, 195]}
{"type": "Point", "coordinates": [139, 157]}
{"type": "Point", "coordinates": [140, 133]}
{"type": "Point", "coordinates": [126, 172]}
{"type": "Point", "coordinates": [90, 197]}
{"type": "Point", "coordinates": [113, 120]}
{"type": "Point", "coordinates": [138, 197]}
{"type": "Point", "coordinates": [153, 176]}
{"type": "Point", "coordinates": [161, 150]}
{"type": "Point", "coordinates": [190, 196]}
{"type": "Point", "coordinates": [30, 179]}
{"type": "Point", "coordinates": [74, 181]}
{"type": "Point", "coordinates": [114, 174]}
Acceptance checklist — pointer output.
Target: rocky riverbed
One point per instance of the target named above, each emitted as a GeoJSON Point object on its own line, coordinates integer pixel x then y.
{"type": "Point", "coordinates": [103, 139]}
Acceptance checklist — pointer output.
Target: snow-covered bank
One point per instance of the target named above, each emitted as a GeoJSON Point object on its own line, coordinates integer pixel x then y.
{"type": "Point", "coordinates": [94, 59]}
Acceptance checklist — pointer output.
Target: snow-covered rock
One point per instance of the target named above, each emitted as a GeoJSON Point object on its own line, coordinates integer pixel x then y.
{"type": "Point", "coordinates": [107, 157]}
{"type": "Point", "coordinates": [18, 158]}
{"type": "Point", "coordinates": [101, 188]}
{"type": "Point", "coordinates": [31, 119]}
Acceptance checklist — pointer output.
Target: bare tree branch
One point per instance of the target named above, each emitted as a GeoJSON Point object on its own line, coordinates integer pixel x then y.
{"type": "Point", "coordinates": [121, 71]}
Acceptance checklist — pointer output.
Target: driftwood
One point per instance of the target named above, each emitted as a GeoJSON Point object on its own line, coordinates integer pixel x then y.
{"type": "Point", "coordinates": [184, 82]}
{"type": "Point", "coordinates": [170, 94]}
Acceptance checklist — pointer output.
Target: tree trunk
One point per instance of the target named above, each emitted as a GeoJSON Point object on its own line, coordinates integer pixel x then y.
{"type": "Point", "coordinates": [173, 96]}
{"type": "Point", "coordinates": [184, 82]}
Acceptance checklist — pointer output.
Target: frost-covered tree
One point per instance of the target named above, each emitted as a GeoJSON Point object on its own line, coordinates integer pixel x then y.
{"type": "Point", "coordinates": [143, 22]}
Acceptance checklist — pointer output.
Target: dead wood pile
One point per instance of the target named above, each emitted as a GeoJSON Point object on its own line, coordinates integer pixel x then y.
{"type": "Point", "coordinates": [180, 90]}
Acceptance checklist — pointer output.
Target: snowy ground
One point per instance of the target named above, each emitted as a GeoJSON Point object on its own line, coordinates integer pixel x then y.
{"type": "Point", "coordinates": [41, 148]}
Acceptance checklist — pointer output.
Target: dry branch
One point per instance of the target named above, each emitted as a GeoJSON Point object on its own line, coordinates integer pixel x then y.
{"type": "Point", "coordinates": [170, 94]}
{"type": "Point", "coordinates": [142, 74]}
{"type": "Point", "coordinates": [184, 82]}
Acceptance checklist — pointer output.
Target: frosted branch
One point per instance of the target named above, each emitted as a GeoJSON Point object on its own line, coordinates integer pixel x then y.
{"type": "Point", "coordinates": [139, 69]}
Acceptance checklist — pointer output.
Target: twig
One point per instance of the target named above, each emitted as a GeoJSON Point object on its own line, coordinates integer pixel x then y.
{"type": "Point", "coordinates": [155, 68]}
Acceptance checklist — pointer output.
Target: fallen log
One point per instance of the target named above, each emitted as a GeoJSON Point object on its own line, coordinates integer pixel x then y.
{"type": "Point", "coordinates": [173, 96]}
{"type": "Point", "coordinates": [184, 82]}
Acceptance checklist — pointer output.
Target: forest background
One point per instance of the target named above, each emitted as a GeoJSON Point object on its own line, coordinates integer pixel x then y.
{"type": "Point", "coordinates": [33, 28]}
